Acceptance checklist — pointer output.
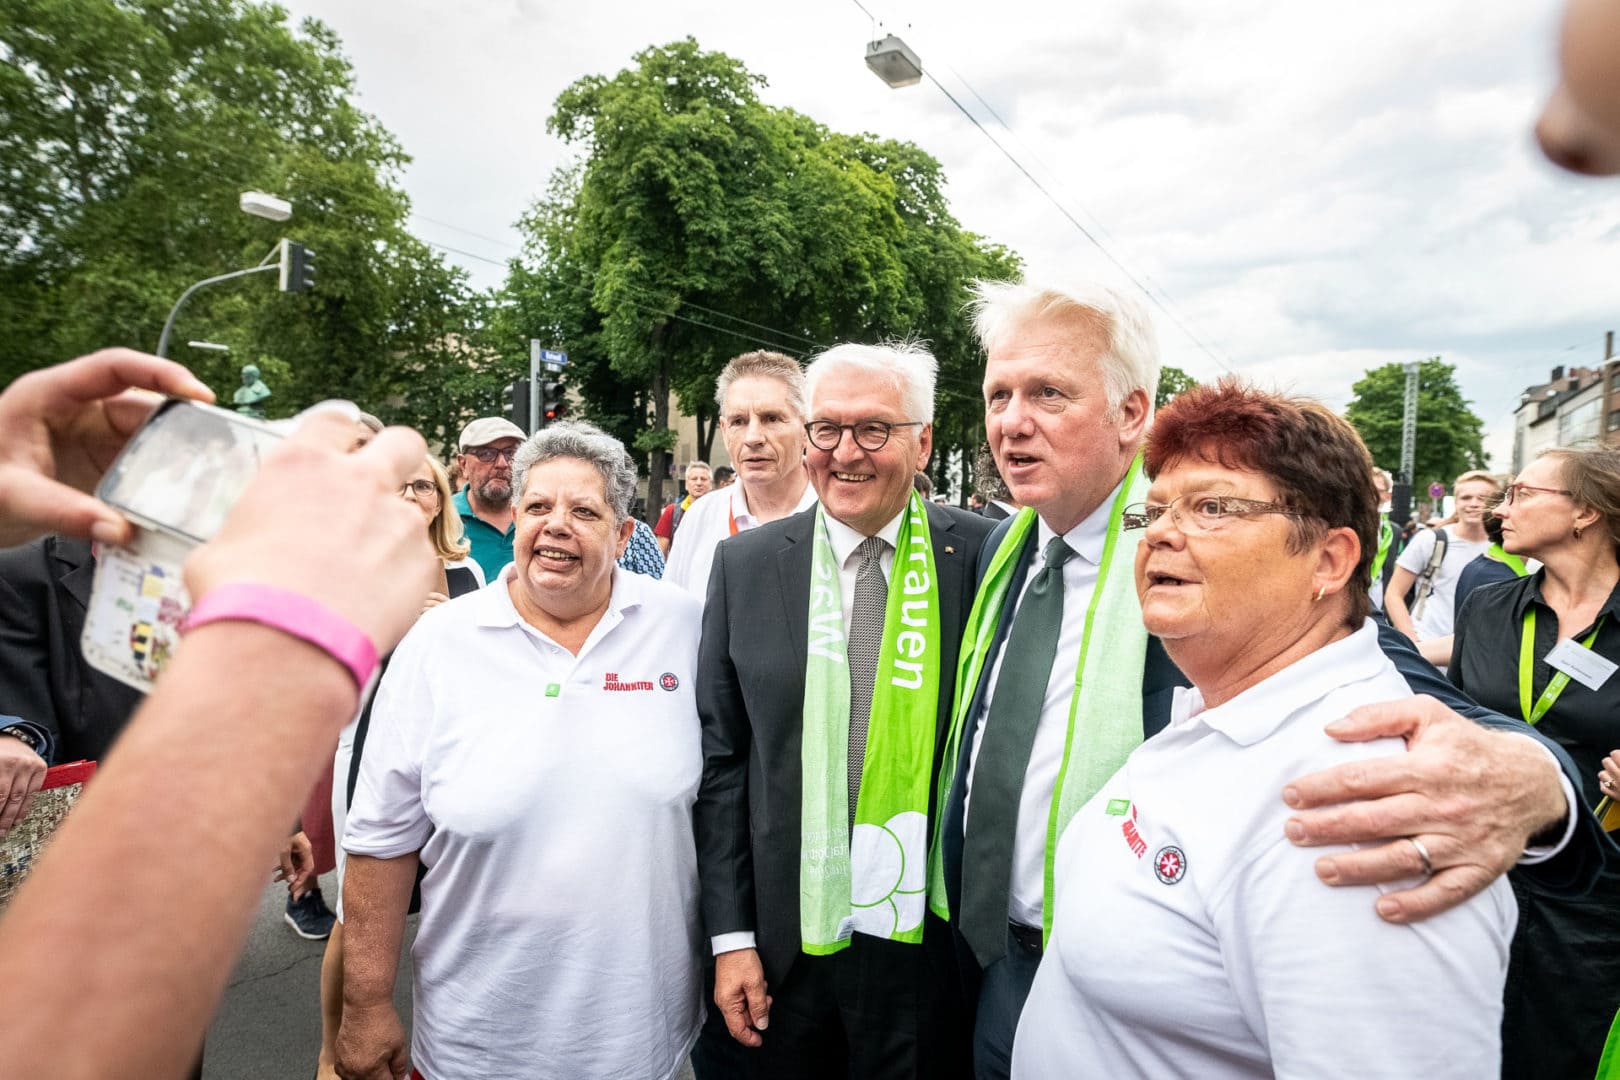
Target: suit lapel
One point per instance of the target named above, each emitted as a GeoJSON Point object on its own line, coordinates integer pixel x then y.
{"type": "Point", "coordinates": [793, 576]}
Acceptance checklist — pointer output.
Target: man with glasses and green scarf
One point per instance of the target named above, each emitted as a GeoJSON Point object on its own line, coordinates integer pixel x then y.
{"type": "Point", "coordinates": [1059, 682]}
{"type": "Point", "coordinates": [826, 675]}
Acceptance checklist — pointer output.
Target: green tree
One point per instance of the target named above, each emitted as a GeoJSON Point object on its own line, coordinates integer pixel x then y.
{"type": "Point", "coordinates": [1172, 381]}
{"type": "Point", "coordinates": [699, 223]}
{"type": "Point", "coordinates": [131, 127]}
{"type": "Point", "coordinates": [1450, 438]}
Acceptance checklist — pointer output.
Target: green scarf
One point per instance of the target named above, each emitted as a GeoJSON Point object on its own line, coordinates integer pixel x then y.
{"type": "Point", "coordinates": [1106, 708]}
{"type": "Point", "coordinates": [1386, 534]}
{"type": "Point", "coordinates": [875, 880]}
{"type": "Point", "coordinates": [1511, 561]}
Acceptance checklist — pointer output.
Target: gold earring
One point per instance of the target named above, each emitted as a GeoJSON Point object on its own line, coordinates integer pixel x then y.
{"type": "Point", "coordinates": [1320, 593]}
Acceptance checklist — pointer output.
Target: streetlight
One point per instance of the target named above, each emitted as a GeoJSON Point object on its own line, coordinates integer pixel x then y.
{"type": "Point", "coordinates": [893, 61]}
{"type": "Point", "coordinates": [208, 346]}
{"type": "Point", "coordinates": [259, 204]}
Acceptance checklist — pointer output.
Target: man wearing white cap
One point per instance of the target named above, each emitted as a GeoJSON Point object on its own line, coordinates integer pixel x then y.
{"type": "Point", "coordinates": [485, 454]}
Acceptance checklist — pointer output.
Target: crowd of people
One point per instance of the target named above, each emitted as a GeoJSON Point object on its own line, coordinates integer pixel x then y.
{"type": "Point", "coordinates": [1147, 768]}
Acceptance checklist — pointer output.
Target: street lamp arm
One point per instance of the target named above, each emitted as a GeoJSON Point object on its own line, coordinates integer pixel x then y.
{"type": "Point", "coordinates": [168, 325]}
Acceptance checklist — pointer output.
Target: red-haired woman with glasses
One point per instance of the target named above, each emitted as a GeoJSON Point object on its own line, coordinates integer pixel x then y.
{"type": "Point", "coordinates": [1545, 647]}
{"type": "Point", "coordinates": [1189, 936]}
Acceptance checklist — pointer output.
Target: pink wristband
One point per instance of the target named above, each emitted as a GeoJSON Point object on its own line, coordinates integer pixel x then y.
{"type": "Point", "coordinates": [291, 613]}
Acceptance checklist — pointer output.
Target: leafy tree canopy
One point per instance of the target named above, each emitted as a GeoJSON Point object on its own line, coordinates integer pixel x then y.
{"type": "Point", "coordinates": [1450, 437]}
{"type": "Point", "coordinates": [1172, 381]}
{"type": "Point", "coordinates": [132, 126]}
{"type": "Point", "coordinates": [699, 222]}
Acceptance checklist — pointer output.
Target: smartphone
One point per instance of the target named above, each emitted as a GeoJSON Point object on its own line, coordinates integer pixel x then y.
{"type": "Point", "coordinates": [186, 467]}
{"type": "Point", "coordinates": [175, 480]}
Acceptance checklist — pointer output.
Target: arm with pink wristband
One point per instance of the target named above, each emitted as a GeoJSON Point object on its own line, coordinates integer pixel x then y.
{"type": "Point", "coordinates": [292, 613]}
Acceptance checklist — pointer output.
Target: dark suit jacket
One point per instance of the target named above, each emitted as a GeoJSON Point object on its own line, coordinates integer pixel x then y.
{"type": "Point", "coordinates": [1574, 871]}
{"type": "Point", "coordinates": [44, 678]}
{"type": "Point", "coordinates": [750, 697]}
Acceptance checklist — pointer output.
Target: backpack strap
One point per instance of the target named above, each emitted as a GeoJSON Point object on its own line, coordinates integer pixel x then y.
{"type": "Point", "coordinates": [1431, 569]}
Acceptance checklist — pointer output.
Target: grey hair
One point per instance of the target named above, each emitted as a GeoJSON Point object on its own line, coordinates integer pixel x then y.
{"type": "Point", "coordinates": [582, 442]}
{"type": "Point", "coordinates": [907, 366]}
{"type": "Point", "coordinates": [704, 465]}
{"type": "Point", "coordinates": [1389, 481]}
{"type": "Point", "coordinates": [764, 364]}
{"type": "Point", "coordinates": [1131, 363]}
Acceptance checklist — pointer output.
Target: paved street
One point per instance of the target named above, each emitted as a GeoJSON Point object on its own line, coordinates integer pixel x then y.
{"type": "Point", "coordinates": [269, 1026]}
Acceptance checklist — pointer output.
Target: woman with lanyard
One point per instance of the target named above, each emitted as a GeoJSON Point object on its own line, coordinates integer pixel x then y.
{"type": "Point", "coordinates": [1546, 646]}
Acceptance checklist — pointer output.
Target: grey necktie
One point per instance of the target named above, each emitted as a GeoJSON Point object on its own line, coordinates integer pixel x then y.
{"type": "Point", "coordinates": [998, 772]}
{"type": "Point", "coordinates": [865, 640]}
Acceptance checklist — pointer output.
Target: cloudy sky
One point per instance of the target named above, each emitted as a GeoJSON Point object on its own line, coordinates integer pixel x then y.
{"type": "Point", "coordinates": [1309, 190]}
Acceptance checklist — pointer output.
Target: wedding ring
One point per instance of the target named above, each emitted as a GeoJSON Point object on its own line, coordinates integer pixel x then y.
{"type": "Point", "coordinates": [1423, 853]}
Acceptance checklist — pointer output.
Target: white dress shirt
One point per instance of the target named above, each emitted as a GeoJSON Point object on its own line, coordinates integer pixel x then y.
{"type": "Point", "coordinates": [707, 522]}
{"type": "Point", "coordinates": [1051, 731]}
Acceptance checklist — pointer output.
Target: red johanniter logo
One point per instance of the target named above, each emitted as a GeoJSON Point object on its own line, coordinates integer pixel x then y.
{"type": "Point", "coordinates": [611, 682]}
{"type": "Point", "coordinates": [668, 680]}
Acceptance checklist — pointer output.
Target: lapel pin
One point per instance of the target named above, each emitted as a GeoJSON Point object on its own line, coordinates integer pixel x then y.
{"type": "Point", "coordinates": [950, 550]}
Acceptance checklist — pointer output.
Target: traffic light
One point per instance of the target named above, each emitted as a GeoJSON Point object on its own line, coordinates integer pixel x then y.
{"type": "Point", "coordinates": [297, 267]}
{"type": "Point", "coordinates": [552, 404]}
{"type": "Point", "coordinates": [516, 405]}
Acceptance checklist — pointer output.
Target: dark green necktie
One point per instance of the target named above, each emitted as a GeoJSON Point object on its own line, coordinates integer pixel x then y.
{"type": "Point", "coordinates": [998, 772]}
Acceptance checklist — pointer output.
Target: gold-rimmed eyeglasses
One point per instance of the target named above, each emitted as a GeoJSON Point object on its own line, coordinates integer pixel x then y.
{"type": "Point", "coordinates": [1200, 511]}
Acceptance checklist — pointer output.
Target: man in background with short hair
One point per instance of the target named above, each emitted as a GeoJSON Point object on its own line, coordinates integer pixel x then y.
{"type": "Point", "coordinates": [484, 459]}
{"type": "Point", "coordinates": [699, 482]}
{"type": "Point", "coordinates": [762, 413]}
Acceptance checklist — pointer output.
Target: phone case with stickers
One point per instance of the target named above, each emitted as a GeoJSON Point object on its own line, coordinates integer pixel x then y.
{"type": "Point", "coordinates": [137, 604]}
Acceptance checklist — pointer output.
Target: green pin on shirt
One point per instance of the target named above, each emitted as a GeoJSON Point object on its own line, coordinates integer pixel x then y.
{"type": "Point", "coordinates": [553, 689]}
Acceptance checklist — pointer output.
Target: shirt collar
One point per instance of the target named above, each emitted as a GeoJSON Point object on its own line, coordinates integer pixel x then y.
{"type": "Point", "coordinates": [497, 610]}
{"type": "Point", "coordinates": [845, 540]}
{"type": "Point", "coordinates": [1532, 591]}
{"type": "Point", "coordinates": [746, 520]}
{"type": "Point", "coordinates": [459, 501]}
{"type": "Point", "coordinates": [1090, 536]}
{"type": "Point", "coordinates": [1263, 708]}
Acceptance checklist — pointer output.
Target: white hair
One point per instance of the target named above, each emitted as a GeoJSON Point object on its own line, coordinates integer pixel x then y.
{"type": "Point", "coordinates": [1000, 308]}
{"type": "Point", "coordinates": [906, 366]}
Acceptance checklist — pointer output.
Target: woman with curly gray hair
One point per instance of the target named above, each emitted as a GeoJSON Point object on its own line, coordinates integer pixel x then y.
{"type": "Point", "coordinates": [536, 746]}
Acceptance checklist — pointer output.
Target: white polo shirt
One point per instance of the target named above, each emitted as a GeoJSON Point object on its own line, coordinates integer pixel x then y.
{"type": "Point", "coordinates": [551, 798]}
{"type": "Point", "coordinates": [707, 522]}
{"type": "Point", "coordinates": [1191, 938]}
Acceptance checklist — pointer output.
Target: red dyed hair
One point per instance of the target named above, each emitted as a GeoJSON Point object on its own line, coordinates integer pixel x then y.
{"type": "Point", "coordinates": [1316, 460]}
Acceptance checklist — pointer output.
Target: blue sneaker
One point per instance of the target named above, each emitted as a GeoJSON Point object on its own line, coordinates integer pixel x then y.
{"type": "Point", "coordinates": [309, 916]}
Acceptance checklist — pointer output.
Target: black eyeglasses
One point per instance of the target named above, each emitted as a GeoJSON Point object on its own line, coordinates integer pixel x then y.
{"type": "Point", "coordinates": [488, 454]}
{"type": "Point", "coordinates": [421, 489]}
{"type": "Point", "coordinates": [1199, 512]}
{"type": "Point", "coordinates": [869, 434]}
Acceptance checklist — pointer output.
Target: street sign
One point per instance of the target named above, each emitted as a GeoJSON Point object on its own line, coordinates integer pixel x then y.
{"type": "Point", "coordinates": [1437, 491]}
{"type": "Point", "coordinates": [553, 356]}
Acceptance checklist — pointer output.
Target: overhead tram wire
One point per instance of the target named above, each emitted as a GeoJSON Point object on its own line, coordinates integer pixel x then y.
{"type": "Point", "coordinates": [1087, 233]}
{"type": "Point", "coordinates": [649, 309]}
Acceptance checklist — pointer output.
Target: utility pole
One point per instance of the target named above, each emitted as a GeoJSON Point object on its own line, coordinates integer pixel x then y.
{"type": "Point", "coordinates": [1409, 424]}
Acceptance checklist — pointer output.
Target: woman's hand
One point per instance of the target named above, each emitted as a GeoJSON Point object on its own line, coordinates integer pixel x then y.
{"type": "Point", "coordinates": [434, 599]}
{"type": "Point", "coordinates": [1609, 776]}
